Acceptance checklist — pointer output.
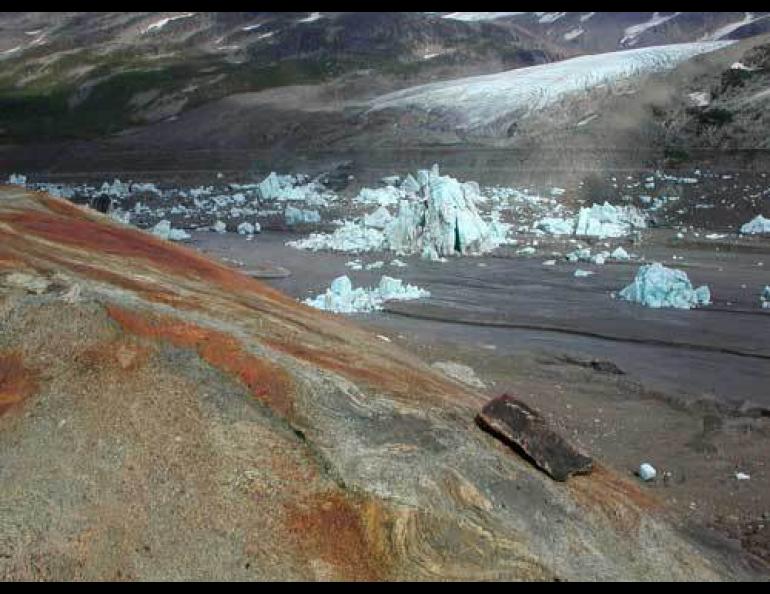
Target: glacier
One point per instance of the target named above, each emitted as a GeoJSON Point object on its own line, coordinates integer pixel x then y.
{"type": "Point", "coordinates": [490, 103]}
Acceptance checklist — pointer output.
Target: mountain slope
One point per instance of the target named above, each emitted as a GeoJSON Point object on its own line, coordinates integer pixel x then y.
{"type": "Point", "coordinates": [91, 74]}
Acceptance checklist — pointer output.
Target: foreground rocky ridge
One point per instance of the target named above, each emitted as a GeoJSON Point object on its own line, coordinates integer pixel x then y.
{"type": "Point", "coordinates": [164, 416]}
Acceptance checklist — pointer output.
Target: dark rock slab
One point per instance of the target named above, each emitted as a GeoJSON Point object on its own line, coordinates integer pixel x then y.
{"type": "Point", "coordinates": [525, 431]}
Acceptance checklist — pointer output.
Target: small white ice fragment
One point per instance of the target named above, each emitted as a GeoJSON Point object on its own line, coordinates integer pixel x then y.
{"type": "Point", "coordinates": [647, 472]}
{"type": "Point", "coordinates": [163, 230]}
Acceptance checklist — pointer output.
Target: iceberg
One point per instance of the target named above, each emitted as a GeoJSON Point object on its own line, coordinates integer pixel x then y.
{"type": "Point", "coordinates": [555, 226]}
{"type": "Point", "coordinates": [296, 216]}
{"type": "Point", "coordinates": [657, 286]}
{"type": "Point", "coordinates": [442, 218]}
{"type": "Point", "coordinates": [350, 238]}
{"type": "Point", "coordinates": [620, 254]}
{"type": "Point", "coordinates": [164, 231]}
{"type": "Point", "coordinates": [446, 220]}
{"type": "Point", "coordinates": [271, 187]}
{"type": "Point", "coordinates": [386, 196]}
{"type": "Point", "coordinates": [757, 226]}
{"type": "Point", "coordinates": [579, 255]}
{"type": "Point", "coordinates": [606, 220]}
{"type": "Point", "coordinates": [600, 258]}
{"type": "Point", "coordinates": [341, 297]}
{"type": "Point", "coordinates": [16, 179]}
{"type": "Point", "coordinates": [248, 228]}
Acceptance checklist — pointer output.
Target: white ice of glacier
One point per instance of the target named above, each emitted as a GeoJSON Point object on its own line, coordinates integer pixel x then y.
{"type": "Point", "coordinates": [658, 286]}
{"type": "Point", "coordinates": [490, 103]}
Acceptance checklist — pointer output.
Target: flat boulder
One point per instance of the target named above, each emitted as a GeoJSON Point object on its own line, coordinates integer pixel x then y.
{"type": "Point", "coordinates": [525, 431]}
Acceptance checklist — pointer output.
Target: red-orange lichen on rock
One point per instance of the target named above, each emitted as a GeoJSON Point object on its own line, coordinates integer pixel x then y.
{"type": "Point", "coordinates": [396, 376]}
{"type": "Point", "coordinates": [92, 246]}
{"type": "Point", "coordinates": [123, 353]}
{"type": "Point", "coordinates": [342, 534]}
{"type": "Point", "coordinates": [17, 382]}
{"type": "Point", "coordinates": [68, 225]}
{"type": "Point", "coordinates": [267, 382]}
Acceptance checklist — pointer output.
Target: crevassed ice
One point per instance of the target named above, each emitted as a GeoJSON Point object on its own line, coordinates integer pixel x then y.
{"type": "Point", "coordinates": [657, 286]}
{"type": "Point", "coordinates": [437, 216]}
{"type": "Point", "coordinates": [488, 103]}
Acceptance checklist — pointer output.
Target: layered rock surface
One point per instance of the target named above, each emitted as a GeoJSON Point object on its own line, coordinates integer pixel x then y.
{"type": "Point", "coordinates": [165, 417]}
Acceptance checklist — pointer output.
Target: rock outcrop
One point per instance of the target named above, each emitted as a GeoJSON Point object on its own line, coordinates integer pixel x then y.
{"type": "Point", "coordinates": [181, 420]}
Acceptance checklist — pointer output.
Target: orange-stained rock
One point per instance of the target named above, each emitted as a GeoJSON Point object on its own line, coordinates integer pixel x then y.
{"type": "Point", "coordinates": [17, 382]}
{"type": "Point", "coordinates": [267, 382]}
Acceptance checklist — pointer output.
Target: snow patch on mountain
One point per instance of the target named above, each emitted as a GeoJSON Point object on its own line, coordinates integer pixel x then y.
{"type": "Point", "coordinates": [314, 16]}
{"type": "Point", "coordinates": [632, 33]}
{"type": "Point", "coordinates": [549, 17]}
{"type": "Point", "coordinates": [724, 31]}
{"type": "Point", "coordinates": [479, 16]}
{"type": "Point", "coordinates": [158, 25]}
{"type": "Point", "coordinates": [573, 33]}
